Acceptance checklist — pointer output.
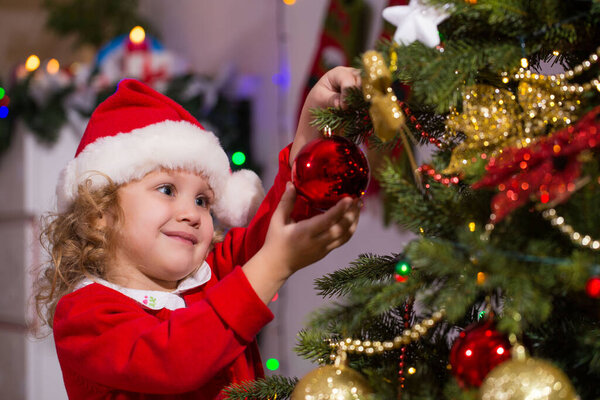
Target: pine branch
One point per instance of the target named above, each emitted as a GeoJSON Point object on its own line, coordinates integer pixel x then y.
{"type": "Point", "coordinates": [422, 213]}
{"type": "Point", "coordinates": [277, 386]}
{"type": "Point", "coordinates": [342, 318]}
{"type": "Point", "coordinates": [353, 121]}
{"type": "Point", "coordinates": [366, 270]}
{"type": "Point", "coordinates": [314, 345]}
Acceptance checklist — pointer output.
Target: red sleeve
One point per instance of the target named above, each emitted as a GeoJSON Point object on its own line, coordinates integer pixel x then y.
{"type": "Point", "coordinates": [108, 338]}
{"type": "Point", "coordinates": [240, 244]}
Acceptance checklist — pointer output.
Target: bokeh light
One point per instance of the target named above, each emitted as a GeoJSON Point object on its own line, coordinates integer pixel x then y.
{"type": "Point", "coordinates": [403, 268]}
{"type": "Point", "coordinates": [3, 112]}
{"type": "Point", "coordinates": [238, 158]}
{"type": "Point", "coordinates": [289, 2]}
{"type": "Point", "coordinates": [272, 364]}
{"type": "Point", "coordinates": [32, 63]}
{"type": "Point", "coordinates": [2, 93]}
{"type": "Point", "coordinates": [481, 278]}
{"type": "Point", "coordinates": [52, 66]}
{"type": "Point", "coordinates": [137, 35]}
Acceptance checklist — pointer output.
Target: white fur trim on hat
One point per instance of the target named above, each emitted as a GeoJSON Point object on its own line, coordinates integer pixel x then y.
{"type": "Point", "coordinates": [170, 144]}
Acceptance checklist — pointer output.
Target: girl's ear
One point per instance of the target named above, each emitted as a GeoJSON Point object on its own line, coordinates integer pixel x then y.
{"type": "Point", "coordinates": [104, 220]}
{"type": "Point", "coordinates": [101, 222]}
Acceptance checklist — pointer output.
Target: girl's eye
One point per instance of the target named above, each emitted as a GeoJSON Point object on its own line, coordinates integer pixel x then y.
{"type": "Point", "coordinates": [166, 189]}
{"type": "Point", "coordinates": [202, 202]}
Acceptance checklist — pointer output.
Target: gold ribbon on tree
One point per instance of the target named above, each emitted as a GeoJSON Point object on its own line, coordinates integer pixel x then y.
{"type": "Point", "coordinates": [388, 120]}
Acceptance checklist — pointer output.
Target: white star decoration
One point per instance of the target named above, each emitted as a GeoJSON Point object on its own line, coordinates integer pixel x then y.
{"type": "Point", "coordinates": [416, 22]}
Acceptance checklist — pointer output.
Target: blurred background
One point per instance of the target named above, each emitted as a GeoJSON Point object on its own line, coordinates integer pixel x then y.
{"type": "Point", "coordinates": [241, 67]}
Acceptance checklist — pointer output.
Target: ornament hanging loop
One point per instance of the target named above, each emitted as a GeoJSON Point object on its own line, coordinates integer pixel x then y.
{"type": "Point", "coordinates": [341, 359]}
{"type": "Point", "coordinates": [387, 117]}
{"type": "Point", "coordinates": [327, 131]}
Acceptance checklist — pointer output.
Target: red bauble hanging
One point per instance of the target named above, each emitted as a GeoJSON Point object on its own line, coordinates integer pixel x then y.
{"type": "Point", "coordinates": [476, 351]}
{"type": "Point", "coordinates": [328, 169]}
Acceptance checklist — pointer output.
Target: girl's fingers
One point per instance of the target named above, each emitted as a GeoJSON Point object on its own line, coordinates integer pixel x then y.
{"type": "Point", "coordinates": [322, 222]}
{"type": "Point", "coordinates": [344, 228]}
{"type": "Point", "coordinates": [286, 204]}
{"type": "Point", "coordinates": [347, 234]}
{"type": "Point", "coordinates": [339, 80]}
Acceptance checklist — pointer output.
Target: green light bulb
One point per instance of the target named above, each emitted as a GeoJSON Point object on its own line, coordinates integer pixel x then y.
{"type": "Point", "coordinates": [272, 364]}
{"type": "Point", "coordinates": [238, 158]}
{"type": "Point", "coordinates": [403, 268]}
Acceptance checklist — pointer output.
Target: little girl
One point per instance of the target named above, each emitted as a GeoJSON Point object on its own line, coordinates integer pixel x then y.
{"type": "Point", "coordinates": [142, 300]}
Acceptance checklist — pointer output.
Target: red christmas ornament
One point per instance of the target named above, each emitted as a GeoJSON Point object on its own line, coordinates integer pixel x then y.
{"type": "Point", "coordinates": [476, 351]}
{"type": "Point", "coordinates": [592, 287]}
{"type": "Point", "coordinates": [328, 169]}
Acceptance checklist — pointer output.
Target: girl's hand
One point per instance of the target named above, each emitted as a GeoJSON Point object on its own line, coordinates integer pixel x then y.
{"type": "Point", "coordinates": [298, 244]}
{"type": "Point", "coordinates": [290, 246]}
{"type": "Point", "coordinates": [328, 92]}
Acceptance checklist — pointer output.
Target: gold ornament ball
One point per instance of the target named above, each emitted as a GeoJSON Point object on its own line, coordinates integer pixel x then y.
{"type": "Point", "coordinates": [530, 379]}
{"type": "Point", "coordinates": [332, 383]}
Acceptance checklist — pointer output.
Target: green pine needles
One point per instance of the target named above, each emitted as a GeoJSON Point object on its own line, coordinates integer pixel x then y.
{"type": "Point", "coordinates": [274, 387]}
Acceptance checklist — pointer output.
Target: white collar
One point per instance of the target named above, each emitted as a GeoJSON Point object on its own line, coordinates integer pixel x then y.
{"type": "Point", "coordinates": [156, 299]}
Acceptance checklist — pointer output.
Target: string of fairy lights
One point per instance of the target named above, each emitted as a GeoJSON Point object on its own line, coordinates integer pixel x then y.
{"type": "Point", "coordinates": [376, 347]}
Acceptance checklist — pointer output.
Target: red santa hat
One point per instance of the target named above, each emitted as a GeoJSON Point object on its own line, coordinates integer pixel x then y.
{"type": "Point", "coordinates": [138, 130]}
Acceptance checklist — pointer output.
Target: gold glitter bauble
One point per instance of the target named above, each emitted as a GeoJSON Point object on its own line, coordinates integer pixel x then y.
{"type": "Point", "coordinates": [530, 379]}
{"type": "Point", "coordinates": [332, 382]}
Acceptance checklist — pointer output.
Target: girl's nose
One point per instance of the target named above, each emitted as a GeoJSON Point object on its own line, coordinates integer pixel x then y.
{"type": "Point", "coordinates": [190, 214]}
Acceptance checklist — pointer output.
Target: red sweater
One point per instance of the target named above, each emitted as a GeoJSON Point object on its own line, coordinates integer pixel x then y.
{"type": "Point", "coordinates": [113, 347]}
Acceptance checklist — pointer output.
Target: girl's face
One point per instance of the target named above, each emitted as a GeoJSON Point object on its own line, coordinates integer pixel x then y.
{"type": "Point", "coordinates": [166, 231]}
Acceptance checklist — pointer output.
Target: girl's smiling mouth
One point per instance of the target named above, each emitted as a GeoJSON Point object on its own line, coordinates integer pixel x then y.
{"type": "Point", "coordinates": [182, 236]}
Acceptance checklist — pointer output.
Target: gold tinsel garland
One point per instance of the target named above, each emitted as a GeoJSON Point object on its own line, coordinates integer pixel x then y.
{"type": "Point", "coordinates": [377, 347]}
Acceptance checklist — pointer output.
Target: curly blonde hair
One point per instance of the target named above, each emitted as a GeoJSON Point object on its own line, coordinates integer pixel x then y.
{"type": "Point", "coordinates": [78, 243]}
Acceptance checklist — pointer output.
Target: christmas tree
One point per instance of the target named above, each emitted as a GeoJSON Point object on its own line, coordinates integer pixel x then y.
{"type": "Point", "coordinates": [497, 296]}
